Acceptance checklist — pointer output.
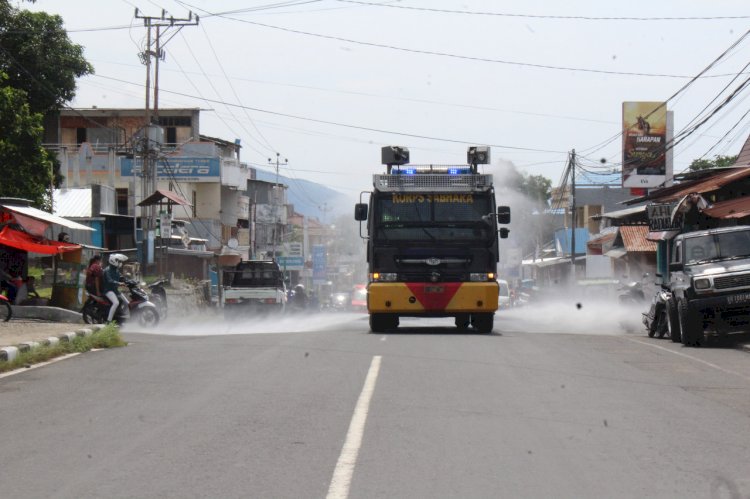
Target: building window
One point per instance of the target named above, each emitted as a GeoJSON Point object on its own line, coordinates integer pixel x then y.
{"type": "Point", "coordinates": [122, 201]}
{"type": "Point", "coordinates": [80, 135]}
{"type": "Point", "coordinates": [171, 135]}
{"type": "Point", "coordinates": [171, 121]}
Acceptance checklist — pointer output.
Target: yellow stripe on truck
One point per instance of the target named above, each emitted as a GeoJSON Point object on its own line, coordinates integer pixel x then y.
{"type": "Point", "coordinates": [428, 297]}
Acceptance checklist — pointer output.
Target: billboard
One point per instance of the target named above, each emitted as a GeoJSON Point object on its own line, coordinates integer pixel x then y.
{"type": "Point", "coordinates": [179, 168]}
{"type": "Point", "coordinates": [646, 133]}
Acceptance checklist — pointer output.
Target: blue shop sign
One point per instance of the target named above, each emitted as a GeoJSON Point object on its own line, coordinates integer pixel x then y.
{"type": "Point", "coordinates": [178, 168]}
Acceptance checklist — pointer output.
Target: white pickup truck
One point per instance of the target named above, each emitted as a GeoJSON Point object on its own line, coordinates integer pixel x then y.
{"type": "Point", "coordinates": [255, 286]}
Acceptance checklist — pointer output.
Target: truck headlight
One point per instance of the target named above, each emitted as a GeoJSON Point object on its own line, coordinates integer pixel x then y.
{"type": "Point", "coordinates": [385, 276]}
{"type": "Point", "coordinates": [481, 277]}
{"type": "Point", "coordinates": [702, 283]}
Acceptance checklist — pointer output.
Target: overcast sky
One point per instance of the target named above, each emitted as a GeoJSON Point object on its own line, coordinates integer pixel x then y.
{"type": "Point", "coordinates": [326, 83]}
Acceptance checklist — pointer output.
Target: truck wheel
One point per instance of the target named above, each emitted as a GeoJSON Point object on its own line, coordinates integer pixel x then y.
{"type": "Point", "coordinates": [673, 322]}
{"type": "Point", "coordinates": [483, 323]}
{"type": "Point", "coordinates": [379, 323]}
{"type": "Point", "coordinates": [463, 322]}
{"type": "Point", "coordinates": [690, 325]}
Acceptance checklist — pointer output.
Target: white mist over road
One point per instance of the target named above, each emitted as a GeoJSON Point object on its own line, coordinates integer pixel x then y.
{"type": "Point", "coordinates": [213, 324]}
{"type": "Point", "coordinates": [554, 316]}
{"type": "Point", "coordinates": [571, 316]}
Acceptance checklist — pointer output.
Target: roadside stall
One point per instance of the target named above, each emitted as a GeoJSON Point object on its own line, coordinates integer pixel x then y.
{"type": "Point", "coordinates": [22, 232]}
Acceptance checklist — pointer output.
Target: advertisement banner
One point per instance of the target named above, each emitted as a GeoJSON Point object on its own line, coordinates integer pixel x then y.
{"type": "Point", "coordinates": [182, 169]}
{"type": "Point", "coordinates": [319, 264]}
{"type": "Point", "coordinates": [645, 137]}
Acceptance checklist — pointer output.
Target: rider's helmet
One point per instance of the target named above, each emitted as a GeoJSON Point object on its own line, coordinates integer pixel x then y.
{"type": "Point", "coordinates": [117, 259]}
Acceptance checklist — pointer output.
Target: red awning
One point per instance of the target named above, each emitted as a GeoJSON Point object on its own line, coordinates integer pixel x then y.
{"type": "Point", "coordinates": [26, 242]}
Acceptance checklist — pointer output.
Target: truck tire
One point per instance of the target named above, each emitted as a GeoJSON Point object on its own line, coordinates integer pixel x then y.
{"type": "Point", "coordinates": [463, 321]}
{"type": "Point", "coordinates": [690, 325]}
{"type": "Point", "coordinates": [483, 323]}
{"type": "Point", "coordinates": [673, 322]}
{"type": "Point", "coordinates": [380, 323]}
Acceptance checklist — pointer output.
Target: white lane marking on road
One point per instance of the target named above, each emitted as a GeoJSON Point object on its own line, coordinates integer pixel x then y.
{"type": "Point", "coordinates": [701, 361]}
{"type": "Point", "coordinates": [342, 474]}
{"type": "Point", "coordinates": [36, 366]}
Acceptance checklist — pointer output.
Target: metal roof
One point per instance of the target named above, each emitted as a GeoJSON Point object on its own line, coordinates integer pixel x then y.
{"type": "Point", "coordinates": [624, 213]}
{"type": "Point", "coordinates": [634, 238]}
{"type": "Point", "coordinates": [159, 195]}
{"type": "Point", "coordinates": [712, 180]}
{"type": "Point", "coordinates": [74, 203]}
{"type": "Point", "coordinates": [731, 208]}
{"type": "Point", "coordinates": [46, 217]}
{"type": "Point", "coordinates": [743, 159]}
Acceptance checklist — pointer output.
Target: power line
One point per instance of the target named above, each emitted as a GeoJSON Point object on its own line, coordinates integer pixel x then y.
{"type": "Point", "coordinates": [542, 16]}
{"type": "Point", "coordinates": [345, 125]}
{"type": "Point", "coordinates": [446, 54]}
{"type": "Point", "coordinates": [229, 81]}
{"type": "Point", "coordinates": [601, 145]}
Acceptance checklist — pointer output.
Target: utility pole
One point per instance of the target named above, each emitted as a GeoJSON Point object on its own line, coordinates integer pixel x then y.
{"type": "Point", "coordinates": [573, 220]}
{"type": "Point", "coordinates": [152, 133]}
{"type": "Point", "coordinates": [276, 201]}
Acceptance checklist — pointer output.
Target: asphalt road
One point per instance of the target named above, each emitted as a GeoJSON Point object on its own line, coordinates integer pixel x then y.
{"type": "Point", "coordinates": [314, 406]}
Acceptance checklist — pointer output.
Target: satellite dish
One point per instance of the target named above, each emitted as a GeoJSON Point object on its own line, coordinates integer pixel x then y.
{"type": "Point", "coordinates": [233, 243]}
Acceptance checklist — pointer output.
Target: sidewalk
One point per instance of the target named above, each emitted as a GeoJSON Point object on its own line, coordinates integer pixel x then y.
{"type": "Point", "coordinates": [37, 324]}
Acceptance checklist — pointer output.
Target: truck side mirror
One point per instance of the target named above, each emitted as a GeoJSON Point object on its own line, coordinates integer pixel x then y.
{"type": "Point", "coordinates": [503, 215]}
{"type": "Point", "coordinates": [360, 212]}
{"type": "Point", "coordinates": [504, 233]}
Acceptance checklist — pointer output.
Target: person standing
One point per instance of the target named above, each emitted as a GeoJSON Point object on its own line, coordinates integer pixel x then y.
{"type": "Point", "coordinates": [94, 274]}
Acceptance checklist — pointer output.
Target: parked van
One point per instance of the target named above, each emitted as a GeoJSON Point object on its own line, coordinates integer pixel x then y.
{"type": "Point", "coordinates": [503, 298]}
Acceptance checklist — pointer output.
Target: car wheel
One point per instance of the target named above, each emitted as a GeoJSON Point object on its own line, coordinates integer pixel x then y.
{"type": "Point", "coordinates": [673, 322]}
{"type": "Point", "coordinates": [690, 325]}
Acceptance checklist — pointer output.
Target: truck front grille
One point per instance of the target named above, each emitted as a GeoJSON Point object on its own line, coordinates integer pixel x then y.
{"type": "Point", "coordinates": [732, 281]}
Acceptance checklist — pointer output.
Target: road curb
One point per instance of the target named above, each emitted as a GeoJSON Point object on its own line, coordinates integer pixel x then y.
{"type": "Point", "coordinates": [9, 353]}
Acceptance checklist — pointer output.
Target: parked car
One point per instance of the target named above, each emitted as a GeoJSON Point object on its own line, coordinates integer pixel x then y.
{"type": "Point", "coordinates": [503, 297]}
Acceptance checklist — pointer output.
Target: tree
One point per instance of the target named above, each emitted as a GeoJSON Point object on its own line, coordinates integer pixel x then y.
{"type": "Point", "coordinates": [538, 188]}
{"type": "Point", "coordinates": [38, 70]}
{"type": "Point", "coordinates": [39, 58]}
{"type": "Point", "coordinates": [706, 164]}
{"type": "Point", "coordinates": [25, 165]}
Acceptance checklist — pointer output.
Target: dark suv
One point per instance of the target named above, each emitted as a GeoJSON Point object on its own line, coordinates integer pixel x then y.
{"type": "Point", "coordinates": [710, 283]}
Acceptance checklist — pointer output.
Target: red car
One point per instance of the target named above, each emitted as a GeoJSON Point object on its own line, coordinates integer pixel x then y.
{"type": "Point", "coordinates": [359, 298]}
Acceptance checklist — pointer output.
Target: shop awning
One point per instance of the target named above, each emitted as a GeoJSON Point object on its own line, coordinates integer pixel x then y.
{"type": "Point", "coordinates": [46, 217]}
{"type": "Point", "coordinates": [26, 242]}
{"type": "Point", "coordinates": [159, 195]}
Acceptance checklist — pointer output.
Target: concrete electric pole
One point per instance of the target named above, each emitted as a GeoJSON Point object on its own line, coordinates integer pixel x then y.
{"type": "Point", "coordinates": [153, 135]}
{"type": "Point", "coordinates": [276, 201]}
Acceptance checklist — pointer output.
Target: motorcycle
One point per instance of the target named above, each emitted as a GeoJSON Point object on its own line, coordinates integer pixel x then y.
{"type": "Point", "coordinates": [158, 297]}
{"type": "Point", "coordinates": [656, 319]}
{"type": "Point", "coordinates": [632, 293]}
{"type": "Point", "coordinates": [137, 307]}
{"type": "Point", "coordinates": [6, 312]}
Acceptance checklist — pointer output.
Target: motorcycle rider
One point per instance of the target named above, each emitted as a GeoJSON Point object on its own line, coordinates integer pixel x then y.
{"type": "Point", "coordinates": [299, 298]}
{"type": "Point", "coordinates": [111, 282]}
